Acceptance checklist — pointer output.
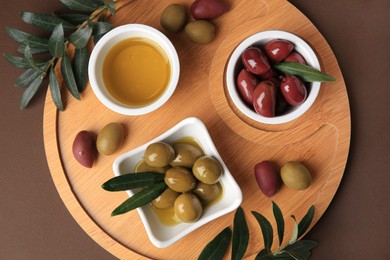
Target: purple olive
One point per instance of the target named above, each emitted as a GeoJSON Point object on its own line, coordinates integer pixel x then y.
{"type": "Point", "coordinates": [84, 149]}
{"type": "Point", "coordinates": [267, 177]}
{"type": "Point", "coordinates": [255, 61]}
{"type": "Point", "coordinates": [264, 98]}
{"type": "Point", "coordinates": [293, 90]}
{"type": "Point", "coordinates": [208, 9]}
{"type": "Point", "coordinates": [295, 57]}
{"type": "Point", "coordinates": [246, 84]}
{"type": "Point", "coordinates": [277, 49]}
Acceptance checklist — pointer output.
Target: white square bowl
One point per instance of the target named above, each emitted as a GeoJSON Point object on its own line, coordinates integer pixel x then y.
{"type": "Point", "coordinates": [161, 235]}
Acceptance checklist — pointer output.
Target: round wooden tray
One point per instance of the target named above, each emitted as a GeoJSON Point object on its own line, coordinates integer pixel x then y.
{"type": "Point", "coordinates": [320, 139]}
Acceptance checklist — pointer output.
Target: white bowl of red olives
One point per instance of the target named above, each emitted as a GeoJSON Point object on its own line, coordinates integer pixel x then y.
{"type": "Point", "coordinates": [198, 186]}
{"type": "Point", "coordinates": [259, 89]}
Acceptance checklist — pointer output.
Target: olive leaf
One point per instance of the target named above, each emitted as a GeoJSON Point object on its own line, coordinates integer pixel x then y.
{"type": "Point", "coordinates": [305, 72]}
{"type": "Point", "coordinates": [28, 39]}
{"type": "Point", "coordinates": [79, 65]}
{"type": "Point", "coordinates": [111, 7]}
{"type": "Point", "coordinates": [26, 77]}
{"type": "Point", "coordinates": [67, 73]}
{"type": "Point", "coordinates": [240, 235]}
{"type": "Point", "coordinates": [16, 61]}
{"type": "Point", "coordinates": [55, 89]}
{"type": "Point", "coordinates": [279, 221]}
{"type": "Point", "coordinates": [30, 91]}
{"type": "Point", "coordinates": [56, 41]}
{"type": "Point", "coordinates": [82, 5]}
{"type": "Point", "coordinates": [100, 27]}
{"type": "Point", "coordinates": [74, 19]}
{"type": "Point", "coordinates": [300, 249]}
{"type": "Point", "coordinates": [217, 247]}
{"type": "Point", "coordinates": [22, 49]}
{"type": "Point", "coordinates": [132, 181]}
{"type": "Point", "coordinates": [45, 21]}
{"type": "Point", "coordinates": [80, 37]}
{"type": "Point", "coordinates": [266, 229]}
{"type": "Point", "coordinates": [30, 61]}
{"type": "Point", "coordinates": [294, 235]}
{"type": "Point", "coordinates": [305, 222]}
{"type": "Point", "coordinates": [141, 198]}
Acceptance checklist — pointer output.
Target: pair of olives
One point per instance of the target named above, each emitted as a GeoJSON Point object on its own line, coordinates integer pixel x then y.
{"type": "Point", "coordinates": [192, 178]}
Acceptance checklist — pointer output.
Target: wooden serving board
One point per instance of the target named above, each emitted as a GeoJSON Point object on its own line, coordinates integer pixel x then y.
{"type": "Point", "coordinates": [320, 139]}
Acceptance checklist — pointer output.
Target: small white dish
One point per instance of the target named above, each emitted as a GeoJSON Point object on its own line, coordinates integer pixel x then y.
{"type": "Point", "coordinates": [111, 39]}
{"type": "Point", "coordinates": [259, 39]}
{"type": "Point", "coordinates": [161, 235]}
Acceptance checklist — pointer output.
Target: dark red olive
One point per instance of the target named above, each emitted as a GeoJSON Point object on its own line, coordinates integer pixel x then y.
{"type": "Point", "coordinates": [208, 9]}
{"type": "Point", "coordinates": [293, 90]}
{"type": "Point", "coordinates": [246, 84]}
{"type": "Point", "coordinates": [295, 57]}
{"type": "Point", "coordinates": [277, 49]}
{"type": "Point", "coordinates": [267, 177]}
{"type": "Point", "coordinates": [264, 99]}
{"type": "Point", "coordinates": [255, 61]}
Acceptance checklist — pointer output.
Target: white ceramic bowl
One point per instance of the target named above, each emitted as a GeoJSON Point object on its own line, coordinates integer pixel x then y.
{"type": "Point", "coordinates": [161, 235]}
{"type": "Point", "coordinates": [259, 39]}
{"type": "Point", "coordinates": [107, 42]}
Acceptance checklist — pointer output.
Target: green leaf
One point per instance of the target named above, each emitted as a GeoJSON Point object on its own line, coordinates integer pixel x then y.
{"type": "Point", "coordinates": [22, 49]}
{"type": "Point", "coordinates": [141, 198]}
{"type": "Point", "coordinates": [45, 21]}
{"type": "Point", "coordinates": [75, 19]}
{"type": "Point", "coordinates": [264, 254]}
{"type": "Point", "coordinates": [240, 235]}
{"type": "Point", "coordinates": [18, 62]}
{"type": "Point", "coordinates": [30, 61]}
{"type": "Point", "coordinates": [266, 229]}
{"type": "Point", "coordinates": [82, 5]}
{"type": "Point", "coordinates": [133, 180]}
{"type": "Point", "coordinates": [56, 41]}
{"type": "Point", "coordinates": [279, 221]}
{"type": "Point", "coordinates": [28, 39]}
{"type": "Point", "coordinates": [79, 67]}
{"type": "Point", "coordinates": [294, 235]}
{"type": "Point", "coordinates": [99, 28]}
{"type": "Point", "coordinates": [30, 91]}
{"type": "Point", "coordinates": [217, 247]}
{"type": "Point", "coordinates": [305, 72]}
{"type": "Point", "coordinates": [111, 7]}
{"type": "Point", "coordinates": [304, 224]}
{"type": "Point", "coordinates": [55, 90]}
{"type": "Point", "coordinates": [300, 249]}
{"type": "Point", "coordinates": [68, 76]}
{"type": "Point", "coordinates": [26, 77]}
{"type": "Point", "coordinates": [80, 38]}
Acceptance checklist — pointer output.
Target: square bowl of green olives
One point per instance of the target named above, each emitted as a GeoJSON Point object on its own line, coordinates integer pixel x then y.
{"type": "Point", "coordinates": [164, 230]}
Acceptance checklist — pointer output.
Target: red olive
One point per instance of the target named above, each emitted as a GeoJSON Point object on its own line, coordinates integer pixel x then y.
{"type": "Point", "coordinates": [255, 61]}
{"type": "Point", "coordinates": [295, 57]}
{"type": "Point", "coordinates": [270, 74]}
{"type": "Point", "coordinates": [246, 83]}
{"type": "Point", "coordinates": [293, 90]}
{"type": "Point", "coordinates": [264, 99]}
{"type": "Point", "coordinates": [267, 177]}
{"type": "Point", "coordinates": [84, 148]}
{"type": "Point", "coordinates": [277, 49]}
{"type": "Point", "coordinates": [208, 9]}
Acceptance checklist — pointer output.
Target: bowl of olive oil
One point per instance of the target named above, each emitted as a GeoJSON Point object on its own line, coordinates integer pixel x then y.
{"type": "Point", "coordinates": [134, 69]}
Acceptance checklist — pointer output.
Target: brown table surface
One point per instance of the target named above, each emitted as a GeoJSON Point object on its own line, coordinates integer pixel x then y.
{"type": "Point", "coordinates": [35, 224]}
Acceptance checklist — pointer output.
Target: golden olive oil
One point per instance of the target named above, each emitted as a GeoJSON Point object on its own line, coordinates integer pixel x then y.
{"type": "Point", "coordinates": [136, 72]}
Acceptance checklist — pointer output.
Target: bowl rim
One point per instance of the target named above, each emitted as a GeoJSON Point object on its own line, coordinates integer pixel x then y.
{"type": "Point", "coordinates": [227, 178]}
{"type": "Point", "coordinates": [309, 55]}
{"type": "Point", "coordinates": [112, 36]}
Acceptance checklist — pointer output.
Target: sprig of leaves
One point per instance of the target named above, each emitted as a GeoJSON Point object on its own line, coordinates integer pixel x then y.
{"type": "Point", "coordinates": [294, 249]}
{"type": "Point", "coordinates": [68, 32]}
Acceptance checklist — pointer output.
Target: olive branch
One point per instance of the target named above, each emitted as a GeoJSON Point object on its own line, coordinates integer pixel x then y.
{"type": "Point", "coordinates": [72, 31]}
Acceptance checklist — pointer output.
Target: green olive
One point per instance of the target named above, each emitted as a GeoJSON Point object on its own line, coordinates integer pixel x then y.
{"type": "Point", "coordinates": [207, 170]}
{"type": "Point", "coordinates": [144, 167]}
{"type": "Point", "coordinates": [109, 138]}
{"type": "Point", "coordinates": [173, 18]}
{"type": "Point", "coordinates": [295, 176]}
{"type": "Point", "coordinates": [206, 192]}
{"type": "Point", "coordinates": [166, 199]}
{"type": "Point", "coordinates": [188, 207]}
{"type": "Point", "coordinates": [186, 154]}
{"type": "Point", "coordinates": [200, 31]}
{"type": "Point", "coordinates": [180, 179]}
{"type": "Point", "coordinates": [159, 154]}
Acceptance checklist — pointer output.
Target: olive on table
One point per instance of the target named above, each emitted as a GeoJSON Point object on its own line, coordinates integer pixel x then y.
{"type": "Point", "coordinates": [159, 154]}
{"type": "Point", "coordinates": [208, 9]}
{"type": "Point", "coordinates": [293, 90]}
{"type": "Point", "coordinates": [264, 98]}
{"type": "Point", "coordinates": [180, 179]}
{"type": "Point", "coordinates": [295, 57]}
{"type": "Point", "coordinates": [173, 18]}
{"type": "Point", "coordinates": [255, 61]}
{"type": "Point", "coordinates": [246, 84]}
{"type": "Point", "coordinates": [267, 177]}
{"type": "Point", "coordinates": [186, 154]}
{"type": "Point", "coordinates": [200, 31]}
{"type": "Point", "coordinates": [206, 192]}
{"type": "Point", "coordinates": [166, 199]}
{"type": "Point", "coordinates": [188, 207]}
{"type": "Point", "coordinates": [109, 138]}
{"type": "Point", "coordinates": [295, 175]}
{"type": "Point", "coordinates": [144, 167]}
{"type": "Point", "coordinates": [278, 49]}
{"type": "Point", "coordinates": [207, 170]}
{"type": "Point", "coordinates": [84, 148]}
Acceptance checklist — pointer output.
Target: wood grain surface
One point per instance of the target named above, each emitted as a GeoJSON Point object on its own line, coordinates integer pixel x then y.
{"type": "Point", "coordinates": [320, 139]}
